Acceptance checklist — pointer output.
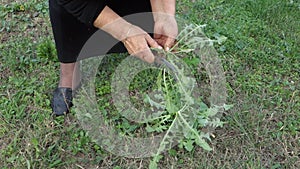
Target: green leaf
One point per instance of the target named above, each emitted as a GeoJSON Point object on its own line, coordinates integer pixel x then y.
{"type": "Point", "coordinates": [211, 112]}
{"type": "Point", "coordinates": [202, 122]}
{"type": "Point", "coordinates": [172, 152]}
{"type": "Point", "coordinates": [203, 107]}
{"type": "Point", "coordinates": [153, 165]}
{"type": "Point", "coordinates": [188, 145]}
{"type": "Point", "coordinates": [88, 115]}
{"type": "Point", "coordinates": [153, 103]}
{"type": "Point", "coordinates": [227, 107]}
{"type": "Point", "coordinates": [149, 129]}
{"type": "Point", "coordinates": [216, 122]}
{"type": "Point", "coordinates": [221, 39]}
{"type": "Point", "coordinates": [202, 143]}
{"type": "Point", "coordinates": [205, 135]}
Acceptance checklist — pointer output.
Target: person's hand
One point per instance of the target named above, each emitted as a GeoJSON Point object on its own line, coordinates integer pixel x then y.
{"type": "Point", "coordinates": [136, 40]}
{"type": "Point", "coordinates": [165, 30]}
{"type": "Point", "coordinates": [137, 43]}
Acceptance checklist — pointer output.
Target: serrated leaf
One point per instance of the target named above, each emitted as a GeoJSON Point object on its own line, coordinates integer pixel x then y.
{"type": "Point", "coordinates": [216, 122]}
{"type": "Point", "coordinates": [203, 122]}
{"type": "Point", "coordinates": [205, 135]}
{"type": "Point", "coordinates": [153, 103]}
{"type": "Point", "coordinates": [202, 143]}
{"type": "Point", "coordinates": [188, 145]}
{"type": "Point", "coordinates": [211, 112]}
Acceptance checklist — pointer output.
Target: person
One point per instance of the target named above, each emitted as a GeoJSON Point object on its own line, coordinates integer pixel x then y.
{"type": "Point", "coordinates": [75, 21]}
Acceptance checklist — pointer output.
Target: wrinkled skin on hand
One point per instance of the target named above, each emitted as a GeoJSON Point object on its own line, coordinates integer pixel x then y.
{"type": "Point", "coordinates": [138, 43]}
{"type": "Point", "coordinates": [165, 31]}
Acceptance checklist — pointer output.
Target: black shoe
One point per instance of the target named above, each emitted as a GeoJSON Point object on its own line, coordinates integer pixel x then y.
{"type": "Point", "coordinates": [61, 101]}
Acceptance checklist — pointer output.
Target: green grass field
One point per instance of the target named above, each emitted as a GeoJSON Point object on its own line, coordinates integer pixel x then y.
{"type": "Point", "coordinates": [261, 59]}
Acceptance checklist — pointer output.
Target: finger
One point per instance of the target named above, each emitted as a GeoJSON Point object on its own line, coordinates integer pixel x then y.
{"type": "Point", "coordinates": [145, 55]}
{"type": "Point", "coordinates": [128, 47]}
{"type": "Point", "coordinates": [161, 42]}
{"type": "Point", "coordinates": [152, 43]}
{"type": "Point", "coordinates": [149, 56]}
{"type": "Point", "coordinates": [169, 43]}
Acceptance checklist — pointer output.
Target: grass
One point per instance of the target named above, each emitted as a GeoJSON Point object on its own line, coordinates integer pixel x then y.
{"type": "Point", "coordinates": [261, 58]}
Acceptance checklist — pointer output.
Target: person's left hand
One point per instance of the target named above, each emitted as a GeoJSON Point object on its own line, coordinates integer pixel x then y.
{"type": "Point", "coordinates": [165, 30]}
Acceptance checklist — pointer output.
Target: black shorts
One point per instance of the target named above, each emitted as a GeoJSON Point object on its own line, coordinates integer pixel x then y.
{"type": "Point", "coordinates": [70, 34]}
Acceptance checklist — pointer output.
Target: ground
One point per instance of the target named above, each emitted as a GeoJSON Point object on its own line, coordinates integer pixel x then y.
{"type": "Point", "coordinates": [261, 59]}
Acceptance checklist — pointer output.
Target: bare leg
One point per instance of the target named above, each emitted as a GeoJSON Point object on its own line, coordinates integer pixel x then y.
{"type": "Point", "coordinates": [69, 75]}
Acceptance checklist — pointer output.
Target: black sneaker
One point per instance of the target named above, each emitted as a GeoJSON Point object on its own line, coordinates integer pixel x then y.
{"type": "Point", "coordinates": [61, 101]}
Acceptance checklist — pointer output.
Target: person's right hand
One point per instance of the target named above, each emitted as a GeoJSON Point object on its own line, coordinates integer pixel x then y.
{"type": "Point", "coordinates": [138, 43]}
